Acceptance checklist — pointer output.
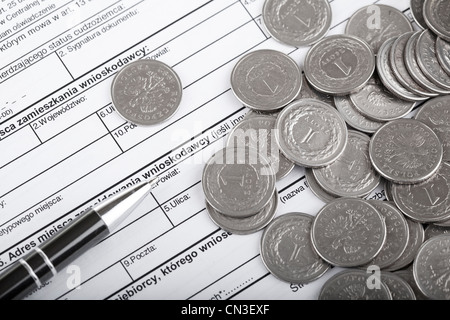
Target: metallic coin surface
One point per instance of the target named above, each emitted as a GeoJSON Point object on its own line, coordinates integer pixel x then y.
{"type": "Point", "coordinates": [415, 240]}
{"type": "Point", "coordinates": [308, 92]}
{"type": "Point", "coordinates": [377, 103]}
{"type": "Point", "coordinates": [387, 76]}
{"type": "Point", "coordinates": [311, 133]}
{"type": "Point", "coordinates": [238, 182]}
{"type": "Point", "coordinates": [259, 133]}
{"type": "Point", "coordinates": [436, 14]}
{"type": "Point", "coordinates": [443, 54]}
{"type": "Point", "coordinates": [388, 190]}
{"type": "Point", "coordinates": [146, 92]}
{"type": "Point", "coordinates": [352, 174]}
{"type": "Point", "coordinates": [316, 189]}
{"type": "Point", "coordinates": [398, 66]}
{"type": "Point", "coordinates": [399, 288]}
{"type": "Point", "coordinates": [417, 13]}
{"type": "Point", "coordinates": [397, 234]}
{"type": "Point", "coordinates": [433, 230]}
{"type": "Point", "coordinates": [407, 275]}
{"type": "Point", "coordinates": [405, 151]}
{"type": "Point", "coordinates": [287, 252]}
{"type": "Point", "coordinates": [353, 117]}
{"type": "Point", "coordinates": [427, 60]}
{"type": "Point", "coordinates": [413, 66]}
{"type": "Point", "coordinates": [352, 285]}
{"type": "Point", "coordinates": [244, 226]}
{"type": "Point", "coordinates": [431, 268]}
{"type": "Point", "coordinates": [297, 22]}
{"type": "Point", "coordinates": [426, 202]}
{"type": "Point", "coordinates": [390, 23]}
{"type": "Point", "coordinates": [266, 80]}
{"type": "Point", "coordinates": [348, 232]}
{"type": "Point", "coordinates": [435, 113]}
{"type": "Point", "coordinates": [339, 64]}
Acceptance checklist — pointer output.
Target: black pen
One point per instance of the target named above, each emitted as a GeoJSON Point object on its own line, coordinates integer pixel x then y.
{"type": "Point", "coordinates": [44, 262]}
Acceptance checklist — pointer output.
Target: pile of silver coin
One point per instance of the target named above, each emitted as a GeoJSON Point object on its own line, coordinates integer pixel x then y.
{"type": "Point", "coordinates": [346, 119]}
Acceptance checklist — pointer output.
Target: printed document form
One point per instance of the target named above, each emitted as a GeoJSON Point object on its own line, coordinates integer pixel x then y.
{"type": "Point", "coordinates": [64, 148]}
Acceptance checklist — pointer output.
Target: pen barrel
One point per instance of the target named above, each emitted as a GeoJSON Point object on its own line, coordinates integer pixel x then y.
{"type": "Point", "coordinates": [54, 255]}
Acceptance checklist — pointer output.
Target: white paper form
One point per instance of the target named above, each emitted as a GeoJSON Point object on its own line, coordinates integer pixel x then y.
{"type": "Point", "coordinates": [64, 149]}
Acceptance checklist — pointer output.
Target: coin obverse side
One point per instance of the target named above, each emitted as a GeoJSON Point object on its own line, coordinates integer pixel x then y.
{"type": "Point", "coordinates": [348, 232]}
{"type": "Point", "coordinates": [339, 64]}
{"type": "Point", "coordinates": [426, 202]}
{"type": "Point", "coordinates": [391, 23]}
{"type": "Point", "coordinates": [399, 288]}
{"type": "Point", "coordinates": [287, 252]}
{"type": "Point", "coordinates": [352, 285]}
{"type": "Point", "coordinates": [311, 133]}
{"type": "Point", "coordinates": [146, 92]}
{"type": "Point", "coordinates": [435, 113]}
{"type": "Point", "coordinates": [405, 151]}
{"type": "Point", "coordinates": [431, 268]}
{"type": "Point", "coordinates": [352, 174]}
{"type": "Point", "coordinates": [297, 22]}
{"type": "Point", "coordinates": [436, 14]}
{"type": "Point", "coordinates": [245, 226]}
{"type": "Point", "coordinates": [236, 184]}
{"type": "Point", "coordinates": [266, 80]}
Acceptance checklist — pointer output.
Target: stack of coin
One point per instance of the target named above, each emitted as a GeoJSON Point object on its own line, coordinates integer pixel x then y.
{"type": "Point", "coordinates": [239, 187]}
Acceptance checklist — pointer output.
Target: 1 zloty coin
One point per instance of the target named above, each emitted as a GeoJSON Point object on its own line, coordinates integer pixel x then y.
{"type": "Point", "coordinates": [389, 23]}
{"type": "Point", "coordinates": [443, 54]}
{"type": "Point", "coordinates": [417, 13]}
{"type": "Point", "coordinates": [311, 133]}
{"type": "Point", "coordinates": [287, 252]}
{"type": "Point", "coordinates": [339, 64]}
{"type": "Point", "coordinates": [348, 232]}
{"type": "Point", "coordinates": [146, 92]}
{"type": "Point", "coordinates": [436, 14]}
{"type": "Point", "coordinates": [266, 80]}
{"type": "Point", "coordinates": [405, 151]}
{"type": "Point", "coordinates": [297, 22]}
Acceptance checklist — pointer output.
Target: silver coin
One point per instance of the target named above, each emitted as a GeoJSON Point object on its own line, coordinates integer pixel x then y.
{"type": "Point", "coordinates": [258, 132]}
{"type": "Point", "coordinates": [255, 113]}
{"type": "Point", "coordinates": [146, 92]}
{"type": "Point", "coordinates": [387, 76]}
{"type": "Point", "coordinates": [316, 189]}
{"type": "Point", "coordinates": [397, 234]}
{"type": "Point", "coordinates": [415, 240]}
{"type": "Point", "coordinates": [407, 275]}
{"type": "Point", "coordinates": [433, 202]}
{"type": "Point", "coordinates": [413, 67]}
{"type": "Point", "coordinates": [245, 226]}
{"type": "Point", "coordinates": [399, 288]}
{"type": "Point", "coordinates": [238, 182]}
{"type": "Point", "coordinates": [388, 190]}
{"type": "Point", "coordinates": [377, 103]}
{"type": "Point", "coordinates": [352, 285]}
{"type": "Point", "coordinates": [348, 232]}
{"type": "Point", "coordinates": [287, 252]}
{"type": "Point", "coordinates": [427, 60]}
{"type": "Point", "coordinates": [297, 22]}
{"type": "Point", "coordinates": [311, 133]}
{"type": "Point", "coordinates": [417, 13]}
{"type": "Point", "coordinates": [353, 117]}
{"type": "Point", "coordinates": [266, 80]}
{"type": "Point", "coordinates": [308, 92]}
{"type": "Point", "coordinates": [443, 54]}
{"type": "Point", "coordinates": [433, 230]}
{"type": "Point", "coordinates": [339, 64]}
{"type": "Point", "coordinates": [426, 202]}
{"type": "Point", "coordinates": [399, 69]}
{"type": "Point", "coordinates": [436, 14]}
{"type": "Point", "coordinates": [352, 174]}
{"type": "Point", "coordinates": [431, 268]}
{"type": "Point", "coordinates": [390, 23]}
{"type": "Point", "coordinates": [405, 151]}
{"type": "Point", "coordinates": [435, 113]}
